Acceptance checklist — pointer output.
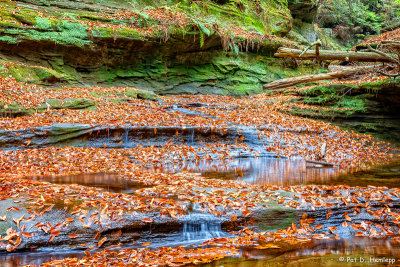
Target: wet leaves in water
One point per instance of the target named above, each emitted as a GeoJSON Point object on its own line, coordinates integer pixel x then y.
{"type": "Point", "coordinates": [171, 193]}
{"type": "Point", "coordinates": [147, 220]}
{"type": "Point", "coordinates": [101, 242]}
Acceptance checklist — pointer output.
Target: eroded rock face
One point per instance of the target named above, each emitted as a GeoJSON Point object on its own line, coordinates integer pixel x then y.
{"type": "Point", "coordinates": [180, 60]}
{"type": "Point", "coordinates": [305, 10]}
{"type": "Point", "coordinates": [178, 66]}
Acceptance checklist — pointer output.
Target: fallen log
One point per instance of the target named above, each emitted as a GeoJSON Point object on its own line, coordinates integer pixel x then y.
{"type": "Point", "coordinates": [333, 55]}
{"type": "Point", "coordinates": [316, 77]}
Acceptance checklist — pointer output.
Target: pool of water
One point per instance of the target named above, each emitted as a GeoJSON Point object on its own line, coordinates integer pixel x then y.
{"type": "Point", "coordinates": [261, 170]}
{"type": "Point", "coordinates": [108, 181]}
{"type": "Point", "coordinates": [351, 252]}
{"type": "Point", "coordinates": [277, 171]}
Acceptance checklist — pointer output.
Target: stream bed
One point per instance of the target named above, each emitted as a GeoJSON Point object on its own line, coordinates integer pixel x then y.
{"type": "Point", "coordinates": [201, 227]}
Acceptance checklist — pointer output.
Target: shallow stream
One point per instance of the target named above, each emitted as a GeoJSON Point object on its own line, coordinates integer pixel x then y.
{"type": "Point", "coordinates": [198, 228]}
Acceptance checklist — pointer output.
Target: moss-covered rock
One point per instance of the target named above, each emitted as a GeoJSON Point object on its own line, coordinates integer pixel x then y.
{"type": "Point", "coordinates": [13, 110]}
{"type": "Point", "coordinates": [16, 110]}
{"type": "Point", "coordinates": [125, 50]}
{"type": "Point", "coordinates": [73, 103]}
{"type": "Point", "coordinates": [143, 94]}
{"type": "Point", "coordinates": [304, 10]}
{"type": "Point", "coordinates": [64, 131]}
{"type": "Point", "coordinates": [367, 108]}
{"type": "Point", "coordinates": [30, 73]}
{"type": "Point", "coordinates": [131, 93]}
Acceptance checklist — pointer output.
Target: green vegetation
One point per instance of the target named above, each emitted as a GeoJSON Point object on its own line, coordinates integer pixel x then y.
{"type": "Point", "coordinates": [354, 19]}
{"type": "Point", "coordinates": [67, 33]}
{"type": "Point", "coordinates": [43, 23]}
{"type": "Point", "coordinates": [30, 74]}
{"type": "Point", "coordinates": [341, 99]}
{"type": "Point", "coordinates": [258, 17]}
{"type": "Point", "coordinates": [8, 39]}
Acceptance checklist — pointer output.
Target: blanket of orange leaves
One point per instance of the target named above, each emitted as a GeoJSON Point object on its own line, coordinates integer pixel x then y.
{"type": "Point", "coordinates": [170, 194]}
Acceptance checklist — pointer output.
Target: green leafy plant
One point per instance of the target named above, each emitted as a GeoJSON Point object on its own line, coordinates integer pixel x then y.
{"type": "Point", "coordinates": [43, 23]}
{"type": "Point", "coordinates": [203, 30]}
{"type": "Point", "coordinates": [9, 39]}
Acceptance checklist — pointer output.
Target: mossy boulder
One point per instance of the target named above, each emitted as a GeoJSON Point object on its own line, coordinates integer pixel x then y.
{"type": "Point", "coordinates": [131, 93]}
{"type": "Point", "coordinates": [142, 94]}
{"type": "Point", "coordinates": [31, 74]}
{"type": "Point", "coordinates": [14, 110]}
{"type": "Point", "coordinates": [73, 103]}
{"type": "Point", "coordinates": [147, 95]}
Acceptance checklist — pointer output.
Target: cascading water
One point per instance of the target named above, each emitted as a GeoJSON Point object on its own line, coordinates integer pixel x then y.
{"type": "Point", "coordinates": [201, 230]}
{"type": "Point", "coordinates": [125, 137]}
{"type": "Point", "coordinates": [202, 227]}
{"type": "Point", "coordinates": [191, 137]}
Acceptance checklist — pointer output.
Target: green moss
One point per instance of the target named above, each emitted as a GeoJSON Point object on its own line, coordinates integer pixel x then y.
{"type": "Point", "coordinates": [244, 89]}
{"type": "Point", "coordinates": [276, 219]}
{"type": "Point", "coordinates": [31, 74]}
{"type": "Point", "coordinates": [147, 95]}
{"type": "Point", "coordinates": [354, 104]}
{"type": "Point", "coordinates": [6, 24]}
{"type": "Point", "coordinates": [58, 31]}
{"type": "Point", "coordinates": [25, 16]}
{"type": "Point", "coordinates": [333, 96]}
{"type": "Point", "coordinates": [131, 93]}
{"type": "Point", "coordinates": [73, 103]}
{"type": "Point", "coordinates": [13, 31]}
{"type": "Point", "coordinates": [129, 72]}
{"type": "Point", "coordinates": [271, 17]}
{"type": "Point", "coordinates": [374, 87]}
{"type": "Point", "coordinates": [106, 75]}
{"type": "Point", "coordinates": [128, 33]}
{"type": "Point", "coordinates": [9, 39]}
{"type": "Point", "coordinates": [93, 17]}
{"type": "Point", "coordinates": [66, 131]}
{"type": "Point", "coordinates": [11, 110]}
{"type": "Point", "coordinates": [42, 23]}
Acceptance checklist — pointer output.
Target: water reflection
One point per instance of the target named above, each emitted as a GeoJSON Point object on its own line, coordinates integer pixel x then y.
{"type": "Point", "coordinates": [110, 182]}
{"type": "Point", "coordinates": [372, 246]}
{"type": "Point", "coordinates": [263, 170]}
{"type": "Point", "coordinates": [275, 171]}
{"type": "Point", "coordinates": [36, 258]}
{"type": "Point", "coordinates": [319, 253]}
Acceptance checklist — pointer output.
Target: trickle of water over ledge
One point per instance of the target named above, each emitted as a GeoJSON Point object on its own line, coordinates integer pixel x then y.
{"type": "Point", "coordinates": [197, 228]}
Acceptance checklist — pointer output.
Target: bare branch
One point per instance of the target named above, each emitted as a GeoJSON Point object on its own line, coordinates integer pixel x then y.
{"type": "Point", "coordinates": [389, 74]}
{"type": "Point", "coordinates": [391, 42]}
{"type": "Point", "coordinates": [383, 54]}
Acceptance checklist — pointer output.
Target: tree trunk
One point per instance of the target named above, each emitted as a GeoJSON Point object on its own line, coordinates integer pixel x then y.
{"type": "Point", "coordinates": [332, 55]}
{"type": "Point", "coordinates": [316, 77]}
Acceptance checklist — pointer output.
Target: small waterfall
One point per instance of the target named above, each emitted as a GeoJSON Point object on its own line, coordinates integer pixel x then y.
{"type": "Point", "coordinates": [191, 137]}
{"type": "Point", "coordinates": [125, 138]}
{"type": "Point", "coordinates": [201, 230]}
{"type": "Point", "coordinates": [108, 133]}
